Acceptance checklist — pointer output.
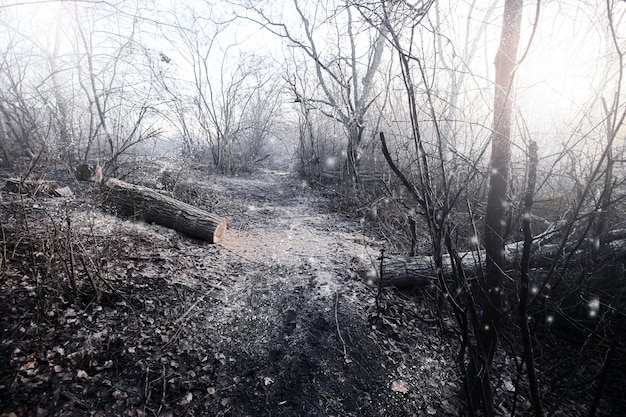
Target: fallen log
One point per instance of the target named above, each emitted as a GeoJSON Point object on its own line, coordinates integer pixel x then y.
{"type": "Point", "coordinates": [154, 207]}
{"type": "Point", "coordinates": [419, 271]}
{"type": "Point", "coordinates": [411, 271]}
{"type": "Point", "coordinates": [30, 186]}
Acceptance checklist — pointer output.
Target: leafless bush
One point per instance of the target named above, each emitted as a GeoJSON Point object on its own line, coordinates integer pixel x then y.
{"type": "Point", "coordinates": [43, 244]}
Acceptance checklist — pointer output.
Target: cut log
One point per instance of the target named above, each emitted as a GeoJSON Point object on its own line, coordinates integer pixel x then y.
{"type": "Point", "coordinates": [419, 271]}
{"type": "Point", "coordinates": [29, 186]}
{"type": "Point", "coordinates": [154, 207]}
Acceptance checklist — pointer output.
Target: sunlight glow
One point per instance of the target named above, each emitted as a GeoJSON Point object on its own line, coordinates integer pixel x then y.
{"type": "Point", "coordinates": [594, 307]}
{"type": "Point", "coordinates": [371, 273]}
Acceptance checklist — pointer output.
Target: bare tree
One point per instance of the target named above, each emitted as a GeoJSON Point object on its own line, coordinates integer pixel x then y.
{"type": "Point", "coordinates": [495, 218]}
{"type": "Point", "coordinates": [229, 102]}
{"type": "Point", "coordinates": [478, 313]}
{"type": "Point", "coordinates": [345, 70]}
{"type": "Point", "coordinates": [119, 100]}
{"type": "Point", "coordinates": [25, 111]}
{"type": "Point", "coordinates": [88, 96]}
{"type": "Point", "coordinates": [456, 61]}
{"type": "Point", "coordinates": [260, 122]}
{"type": "Point", "coordinates": [20, 128]}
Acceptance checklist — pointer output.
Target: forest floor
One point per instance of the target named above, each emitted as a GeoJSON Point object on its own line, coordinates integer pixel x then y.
{"type": "Point", "coordinates": [269, 322]}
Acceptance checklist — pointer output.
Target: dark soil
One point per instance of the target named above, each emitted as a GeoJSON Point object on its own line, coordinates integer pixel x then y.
{"type": "Point", "coordinates": [270, 322]}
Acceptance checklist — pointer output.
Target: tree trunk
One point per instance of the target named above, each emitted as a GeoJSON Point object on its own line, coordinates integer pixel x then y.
{"type": "Point", "coordinates": [524, 289]}
{"type": "Point", "coordinates": [490, 297]}
{"type": "Point", "coordinates": [154, 207]}
{"type": "Point", "coordinates": [419, 271]}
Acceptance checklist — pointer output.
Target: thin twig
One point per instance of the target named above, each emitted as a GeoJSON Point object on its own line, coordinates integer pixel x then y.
{"type": "Point", "coordinates": [4, 259]}
{"type": "Point", "coordinates": [343, 342]}
{"type": "Point", "coordinates": [183, 319]}
{"type": "Point", "coordinates": [70, 246]}
{"type": "Point", "coordinates": [535, 394]}
{"type": "Point", "coordinates": [380, 280]}
{"type": "Point", "coordinates": [198, 301]}
{"type": "Point", "coordinates": [163, 392]}
{"type": "Point", "coordinates": [147, 391]}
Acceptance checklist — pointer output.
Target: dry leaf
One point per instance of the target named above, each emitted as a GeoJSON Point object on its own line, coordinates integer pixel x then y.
{"type": "Point", "coordinates": [400, 385]}
{"type": "Point", "coordinates": [186, 399]}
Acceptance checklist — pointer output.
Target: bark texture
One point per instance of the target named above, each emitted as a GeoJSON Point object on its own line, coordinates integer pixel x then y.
{"type": "Point", "coordinates": [419, 271]}
{"type": "Point", "coordinates": [491, 298]}
{"type": "Point", "coordinates": [154, 207]}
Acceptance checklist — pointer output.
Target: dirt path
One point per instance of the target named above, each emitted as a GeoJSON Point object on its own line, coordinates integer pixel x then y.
{"type": "Point", "coordinates": [282, 226]}
{"type": "Point", "coordinates": [294, 316]}
{"type": "Point", "coordinates": [268, 323]}
{"type": "Point", "coordinates": [297, 321]}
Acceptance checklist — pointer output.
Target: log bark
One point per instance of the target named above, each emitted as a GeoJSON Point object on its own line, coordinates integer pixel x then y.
{"type": "Point", "coordinates": [32, 187]}
{"type": "Point", "coordinates": [419, 271]}
{"type": "Point", "coordinates": [153, 207]}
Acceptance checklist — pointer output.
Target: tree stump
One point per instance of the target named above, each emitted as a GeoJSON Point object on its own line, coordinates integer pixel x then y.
{"type": "Point", "coordinates": [153, 207]}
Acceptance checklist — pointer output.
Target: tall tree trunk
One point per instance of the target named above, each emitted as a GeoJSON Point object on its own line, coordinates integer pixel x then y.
{"type": "Point", "coordinates": [529, 356]}
{"type": "Point", "coordinates": [491, 298]}
{"type": "Point", "coordinates": [355, 135]}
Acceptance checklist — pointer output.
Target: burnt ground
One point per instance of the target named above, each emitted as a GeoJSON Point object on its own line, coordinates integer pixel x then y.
{"type": "Point", "coordinates": [270, 322]}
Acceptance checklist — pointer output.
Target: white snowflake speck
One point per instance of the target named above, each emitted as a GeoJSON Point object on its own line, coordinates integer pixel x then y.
{"type": "Point", "coordinates": [331, 161]}
{"type": "Point", "coordinates": [594, 307]}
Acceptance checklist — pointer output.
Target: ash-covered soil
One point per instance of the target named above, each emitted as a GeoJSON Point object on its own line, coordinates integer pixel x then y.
{"type": "Point", "coordinates": [270, 322]}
